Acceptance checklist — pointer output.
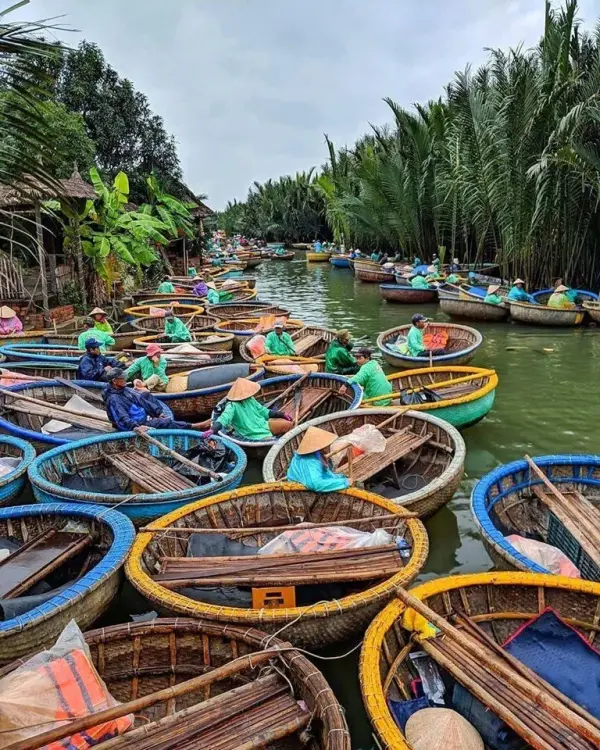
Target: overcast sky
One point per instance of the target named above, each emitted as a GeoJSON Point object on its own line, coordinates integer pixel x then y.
{"type": "Point", "coordinates": [249, 87]}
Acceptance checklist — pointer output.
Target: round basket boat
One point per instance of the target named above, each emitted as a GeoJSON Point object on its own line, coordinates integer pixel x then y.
{"type": "Point", "coordinates": [316, 623]}
{"type": "Point", "coordinates": [181, 310]}
{"type": "Point", "coordinates": [69, 335]}
{"type": "Point", "coordinates": [82, 599]}
{"type": "Point", "coordinates": [593, 310]}
{"type": "Point", "coordinates": [371, 272]}
{"type": "Point", "coordinates": [504, 502]}
{"type": "Point", "coordinates": [49, 353]}
{"type": "Point", "coordinates": [21, 454]}
{"type": "Point", "coordinates": [206, 341]}
{"type": "Point", "coordinates": [422, 478]}
{"type": "Point", "coordinates": [317, 257]}
{"type": "Point", "coordinates": [340, 261]}
{"type": "Point", "coordinates": [150, 324]}
{"type": "Point", "coordinates": [465, 397]}
{"type": "Point", "coordinates": [174, 650]}
{"type": "Point", "coordinates": [459, 308]}
{"type": "Point", "coordinates": [319, 395]}
{"type": "Point", "coordinates": [245, 328]}
{"type": "Point", "coordinates": [583, 295]}
{"type": "Point", "coordinates": [502, 602]}
{"type": "Point", "coordinates": [539, 315]}
{"type": "Point", "coordinates": [463, 342]}
{"type": "Point", "coordinates": [290, 255]}
{"type": "Point", "coordinates": [48, 370]}
{"type": "Point", "coordinates": [231, 310]}
{"type": "Point", "coordinates": [196, 394]}
{"type": "Point", "coordinates": [161, 300]}
{"type": "Point", "coordinates": [32, 337]}
{"type": "Point", "coordinates": [91, 459]}
{"type": "Point", "coordinates": [406, 295]}
{"type": "Point", "coordinates": [311, 343]}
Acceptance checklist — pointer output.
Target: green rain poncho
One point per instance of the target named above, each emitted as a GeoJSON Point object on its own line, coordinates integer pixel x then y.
{"type": "Point", "coordinates": [339, 360]}
{"type": "Point", "coordinates": [165, 288]}
{"type": "Point", "coordinates": [372, 378]}
{"type": "Point", "coordinates": [176, 331]}
{"type": "Point", "coordinates": [453, 278]}
{"type": "Point", "coordinates": [415, 341]}
{"type": "Point", "coordinates": [104, 339]}
{"type": "Point", "coordinates": [191, 272]}
{"type": "Point", "coordinates": [493, 299]}
{"type": "Point", "coordinates": [280, 345]}
{"type": "Point", "coordinates": [248, 418]}
{"type": "Point", "coordinates": [419, 282]}
{"type": "Point", "coordinates": [143, 368]}
{"type": "Point", "coordinates": [313, 474]}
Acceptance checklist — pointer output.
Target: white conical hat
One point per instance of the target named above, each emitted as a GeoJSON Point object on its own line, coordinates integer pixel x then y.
{"type": "Point", "coordinates": [7, 312]}
{"type": "Point", "coordinates": [243, 389]}
{"type": "Point", "coordinates": [441, 729]}
{"type": "Point", "coordinates": [315, 439]}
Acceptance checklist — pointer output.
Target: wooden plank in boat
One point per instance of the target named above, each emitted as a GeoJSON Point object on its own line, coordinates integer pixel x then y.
{"type": "Point", "coordinates": [310, 399]}
{"type": "Point", "coordinates": [148, 472]}
{"type": "Point", "coordinates": [306, 343]}
{"type": "Point", "coordinates": [397, 446]}
{"type": "Point", "coordinates": [36, 559]}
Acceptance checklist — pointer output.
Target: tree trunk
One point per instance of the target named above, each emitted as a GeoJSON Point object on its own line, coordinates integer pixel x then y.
{"type": "Point", "coordinates": [41, 254]}
{"type": "Point", "coordinates": [79, 261]}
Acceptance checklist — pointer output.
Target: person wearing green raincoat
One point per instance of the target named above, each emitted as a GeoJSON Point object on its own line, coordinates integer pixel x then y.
{"type": "Point", "coordinates": [248, 419]}
{"type": "Point", "coordinates": [417, 262]}
{"type": "Point", "coordinates": [491, 297]}
{"type": "Point", "coordinates": [214, 297]}
{"type": "Point", "coordinates": [149, 371]}
{"type": "Point", "coordinates": [166, 286]}
{"type": "Point", "coordinates": [280, 342]}
{"type": "Point", "coordinates": [339, 359]}
{"type": "Point", "coordinates": [191, 272]}
{"type": "Point", "coordinates": [310, 468]}
{"type": "Point", "coordinates": [175, 329]}
{"type": "Point", "coordinates": [432, 274]}
{"type": "Point", "coordinates": [419, 282]}
{"type": "Point", "coordinates": [436, 263]}
{"type": "Point", "coordinates": [453, 278]}
{"type": "Point", "coordinates": [371, 378]}
{"type": "Point", "coordinates": [105, 340]}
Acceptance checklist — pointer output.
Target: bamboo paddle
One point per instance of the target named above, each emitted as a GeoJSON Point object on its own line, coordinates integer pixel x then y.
{"type": "Point", "coordinates": [182, 459]}
{"type": "Point", "coordinates": [292, 387]}
{"type": "Point", "coordinates": [88, 394]}
{"type": "Point", "coordinates": [432, 386]}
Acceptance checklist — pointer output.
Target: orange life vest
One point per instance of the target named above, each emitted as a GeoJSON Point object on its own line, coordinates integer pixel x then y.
{"type": "Point", "coordinates": [315, 540]}
{"type": "Point", "coordinates": [436, 339]}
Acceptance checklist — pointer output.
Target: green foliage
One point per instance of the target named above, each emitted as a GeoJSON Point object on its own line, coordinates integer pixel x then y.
{"type": "Point", "coordinates": [174, 214]}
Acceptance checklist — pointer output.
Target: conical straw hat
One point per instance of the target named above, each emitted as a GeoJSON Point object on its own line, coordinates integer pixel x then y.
{"type": "Point", "coordinates": [7, 312]}
{"type": "Point", "coordinates": [98, 311]}
{"type": "Point", "coordinates": [243, 389]}
{"type": "Point", "coordinates": [212, 285]}
{"type": "Point", "coordinates": [518, 281]}
{"type": "Point", "coordinates": [561, 288]}
{"type": "Point", "coordinates": [315, 439]}
{"type": "Point", "coordinates": [493, 288]}
{"type": "Point", "coordinates": [441, 729]}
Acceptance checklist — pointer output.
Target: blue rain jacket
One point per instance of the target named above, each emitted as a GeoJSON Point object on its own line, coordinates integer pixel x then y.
{"type": "Point", "coordinates": [310, 471]}
{"type": "Point", "coordinates": [128, 408]}
{"type": "Point", "coordinates": [520, 295]}
{"type": "Point", "coordinates": [92, 367]}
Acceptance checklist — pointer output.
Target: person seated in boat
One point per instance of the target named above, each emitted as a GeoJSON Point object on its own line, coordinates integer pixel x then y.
{"type": "Point", "coordinates": [453, 278]}
{"type": "Point", "coordinates": [133, 410]}
{"type": "Point", "coordinates": [398, 258]}
{"type": "Point", "coordinates": [216, 297]}
{"type": "Point", "coordinates": [106, 340]}
{"type": "Point", "coordinates": [175, 329]}
{"type": "Point", "coordinates": [419, 281]}
{"type": "Point", "coordinates": [280, 251]}
{"type": "Point", "coordinates": [191, 272]}
{"type": "Point", "coordinates": [357, 253]}
{"type": "Point", "coordinates": [432, 274]}
{"type": "Point", "coordinates": [339, 359]}
{"type": "Point", "coordinates": [279, 342]}
{"type": "Point", "coordinates": [384, 259]}
{"type": "Point", "coordinates": [311, 468]}
{"type": "Point", "coordinates": [370, 377]}
{"type": "Point", "coordinates": [559, 299]}
{"type": "Point", "coordinates": [417, 262]}
{"type": "Point", "coordinates": [248, 419]}
{"type": "Point", "coordinates": [166, 286]}
{"type": "Point", "coordinates": [414, 340]}
{"type": "Point", "coordinates": [317, 246]}
{"type": "Point", "coordinates": [150, 371]}
{"type": "Point", "coordinates": [94, 365]}
{"type": "Point", "coordinates": [518, 293]}
{"type": "Point", "coordinates": [455, 265]}
{"type": "Point", "coordinates": [436, 263]}
{"type": "Point", "coordinates": [375, 256]}
{"type": "Point", "coordinates": [200, 289]}
{"type": "Point", "coordinates": [9, 322]}
{"type": "Point", "coordinates": [491, 297]}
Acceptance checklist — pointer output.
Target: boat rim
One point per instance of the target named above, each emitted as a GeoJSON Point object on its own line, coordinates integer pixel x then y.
{"type": "Point", "coordinates": [25, 459]}
{"type": "Point", "coordinates": [177, 602]}
{"type": "Point", "coordinates": [440, 358]}
{"type": "Point", "coordinates": [210, 389]}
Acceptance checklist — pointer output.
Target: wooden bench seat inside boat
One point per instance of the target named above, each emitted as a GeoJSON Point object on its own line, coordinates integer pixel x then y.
{"type": "Point", "coordinates": [36, 559]}
{"type": "Point", "coordinates": [148, 472]}
{"type": "Point", "coordinates": [306, 344]}
{"type": "Point", "coordinates": [310, 398]}
{"type": "Point", "coordinates": [364, 564]}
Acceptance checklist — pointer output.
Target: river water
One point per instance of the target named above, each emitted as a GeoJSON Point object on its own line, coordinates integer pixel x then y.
{"type": "Point", "coordinates": [546, 402]}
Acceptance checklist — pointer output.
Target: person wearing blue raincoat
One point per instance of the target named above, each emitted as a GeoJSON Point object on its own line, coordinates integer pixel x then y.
{"type": "Point", "coordinates": [518, 293]}
{"type": "Point", "coordinates": [94, 365]}
{"type": "Point", "coordinates": [309, 466]}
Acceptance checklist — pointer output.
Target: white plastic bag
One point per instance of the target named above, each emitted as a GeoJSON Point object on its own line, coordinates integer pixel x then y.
{"type": "Point", "coordinates": [8, 464]}
{"type": "Point", "coordinates": [546, 555]}
{"type": "Point", "coordinates": [324, 539]}
{"type": "Point", "coordinates": [256, 345]}
{"type": "Point", "coordinates": [365, 439]}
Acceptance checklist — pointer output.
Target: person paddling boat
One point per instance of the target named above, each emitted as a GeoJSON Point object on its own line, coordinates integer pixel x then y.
{"type": "Point", "coordinates": [518, 293]}
{"type": "Point", "coordinates": [370, 377]}
{"type": "Point", "coordinates": [309, 466]}
{"type": "Point", "coordinates": [279, 342]}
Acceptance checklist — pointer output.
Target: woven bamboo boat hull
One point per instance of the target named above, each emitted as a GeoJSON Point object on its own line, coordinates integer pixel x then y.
{"type": "Point", "coordinates": [13, 483]}
{"type": "Point", "coordinates": [471, 309]}
{"type": "Point", "coordinates": [317, 257]}
{"type": "Point", "coordinates": [173, 650]}
{"type": "Point", "coordinates": [339, 262]}
{"type": "Point", "coordinates": [510, 485]}
{"type": "Point", "coordinates": [244, 328]}
{"type": "Point", "coordinates": [593, 310]}
{"type": "Point", "coordinates": [463, 343]}
{"type": "Point", "coordinates": [48, 370]}
{"type": "Point", "coordinates": [311, 627]}
{"type": "Point", "coordinates": [325, 335]}
{"type": "Point", "coordinates": [206, 341]}
{"type": "Point", "coordinates": [123, 340]}
{"type": "Point", "coordinates": [89, 596]}
{"type": "Point", "coordinates": [406, 295]}
{"type": "Point", "coordinates": [27, 426]}
{"type": "Point", "coordinates": [504, 600]}
{"type": "Point", "coordinates": [461, 411]}
{"type": "Point", "coordinates": [284, 256]}
{"type": "Point", "coordinates": [31, 337]}
{"type": "Point", "coordinates": [47, 470]}
{"type": "Point", "coordinates": [444, 468]}
{"type": "Point", "coordinates": [184, 311]}
{"type": "Point", "coordinates": [371, 272]}
{"type": "Point", "coordinates": [271, 388]}
{"type": "Point", "coordinates": [229, 310]}
{"type": "Point", "coordinates": [195, 403]}
{"type": "Point", "coordinates": [538, 315]}
{"type": "Point", "coordinates": [151, 325]}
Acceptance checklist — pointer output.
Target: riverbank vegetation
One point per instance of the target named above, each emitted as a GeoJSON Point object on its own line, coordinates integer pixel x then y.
{"type": "Point", "coordinates": [505, 165]}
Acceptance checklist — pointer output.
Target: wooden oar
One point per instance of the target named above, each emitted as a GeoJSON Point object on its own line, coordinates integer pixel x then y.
{"type": "Point", "coordinates": [291, 388]}
{"type": "Point", "coordinates": [432, 386]}
{"type": "Point", "coordinates": [53, 407]}
{"type": "Point", "coordinates": [182, 459]}
{"type": "Point", "coordinates": [88, 394]}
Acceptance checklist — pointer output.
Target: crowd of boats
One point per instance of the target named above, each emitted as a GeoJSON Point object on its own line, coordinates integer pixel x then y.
{"type": "Point", "coordinates": [246, 579]}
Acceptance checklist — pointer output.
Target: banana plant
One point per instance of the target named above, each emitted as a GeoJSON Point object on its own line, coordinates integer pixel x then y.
{"type": "Point", "coordinates": [175, 214]}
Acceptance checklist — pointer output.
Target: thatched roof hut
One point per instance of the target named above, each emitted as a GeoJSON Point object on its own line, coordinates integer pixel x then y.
{"type": "Point", "coordinates": [31, 190]}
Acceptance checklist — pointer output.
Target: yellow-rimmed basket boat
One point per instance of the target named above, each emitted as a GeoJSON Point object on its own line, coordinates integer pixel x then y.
{"type": "Point", "coordinates": [138, 659]}
{"type": "Point", "coordinates": [503, 602]}
{"type": "Point", "coordinates": [318, 257]}
{"type": "Point", "coordinates": [420, 469]}
{"type": "Point", "coordinates": [593, 310]}
{"type": "Point", "coordinates": [244, 328]}
{"type": "Point", "coordinates": [466, 394]}
{"type": "Point", "coordinates": [207, 341]}
{"type": "Point", "coordinates": [234, 310]}
{"type": "Point", "coordinates": [180, 309]}
{"type": "Point", "coordinates": [194, 323]}
{"type": "Point", "coordinates": [541, 315]}
{"type": "Point", "coordinates": [314, 625]}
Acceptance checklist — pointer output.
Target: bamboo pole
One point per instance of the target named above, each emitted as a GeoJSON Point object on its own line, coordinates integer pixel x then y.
{"type": "Point", "coordinates": [433, 386]}
{"type": "Point", "coordinates": [79, 389]}
{"type": "Point", "coordinates": [182, 459]}
{"type": "Point", "coordinates": [291, 388]}
{"type": "Point", "coordinates": [55, 407]}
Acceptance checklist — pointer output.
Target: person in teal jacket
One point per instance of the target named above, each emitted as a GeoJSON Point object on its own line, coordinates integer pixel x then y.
{"type": "Point", "coordinates": [339, 359]}
{"type": "Point", "coordinates": [491, 297]}
{"type": "Point", "coordinates": [166, 286]}
{"type": "Point", "coordinates": [518, 293]}
{"type": "Point", "coordinates": [417, 262]}
{"type": "Point", "coordinates": [175, 329]}
{"type": "Point", "coordinates": [280, 342]}
{"type": "Point", "coordinates": [371, 378]}
{"type": "Point", "coordinates": [150, 371]}
{"type": "Point", "coordinates": [415, 342]}
{"type": "Point", "coordinates": [419, 282]}
{"type": "Point", "coordinates": [310, 468]}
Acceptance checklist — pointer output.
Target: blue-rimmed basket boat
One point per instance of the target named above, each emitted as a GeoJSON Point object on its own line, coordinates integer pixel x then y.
{"type": "Point", "coordinates": [319, 395]}
{"type": "Point", "coordinates": [583, 295]}
{"type": "Point", "coordinates": [12, 483]}
{"type": "Point", "coordinates": [340, 261]}
{"type": "Point", "coordinates": [68, 335]}
{"type": "Point", "coordinates": [406, 295]}
{"type": "Point", "coordinates": [503, 503]}
{"type": "Point", "coordinates": [48, 370]}
{"type": "Point", "coordinates": [540, 315]}
{"type": "Point", "coordinates": [87, 458]}
{"type": "Point", "coordinates": [232, 310]}
{"type": "Point", "coordinates": [26, 336]}
{"type": "Point", "coordinates": [463, 307]}
{"type": "Point", "coordinates": [86, 598]}
{"type": "Point", "coordinates": [462, 345]}
{"type": "Point", "coordinates": [201, 390]}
